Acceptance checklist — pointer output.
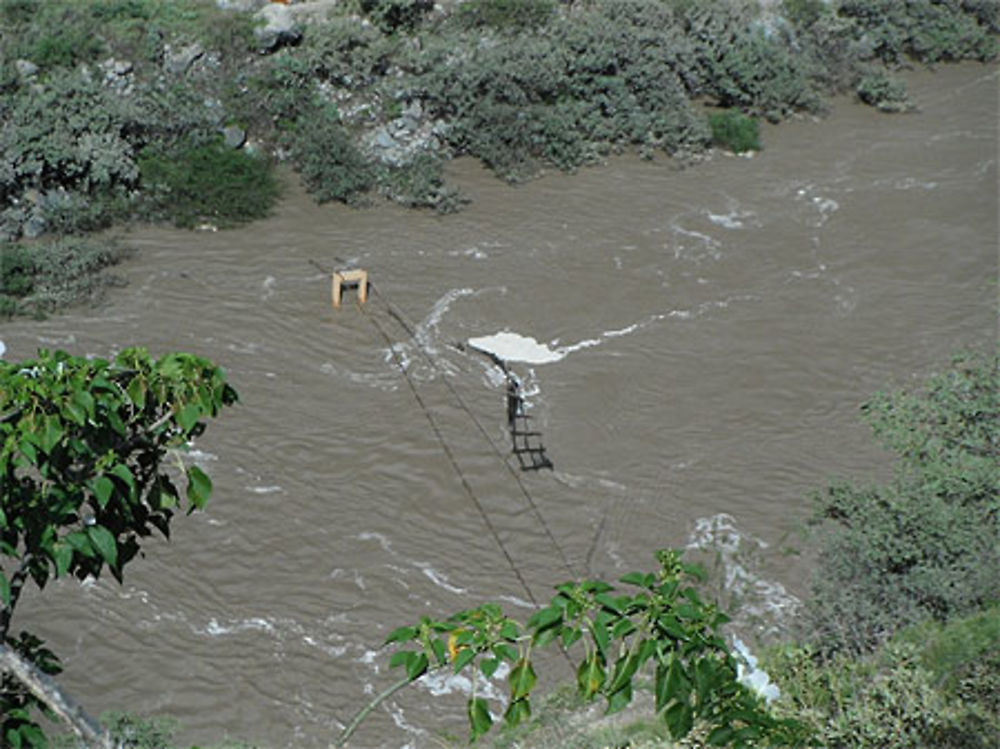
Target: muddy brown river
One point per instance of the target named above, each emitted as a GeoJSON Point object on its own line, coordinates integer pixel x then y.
{"type": "Point", "coordinates": [712, 332]}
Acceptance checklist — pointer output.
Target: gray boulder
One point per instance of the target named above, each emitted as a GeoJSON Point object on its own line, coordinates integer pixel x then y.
{"type": "Point", "coordinates": [26, 68]}
{"type": "Point", "coordinates": [179, 61]}
{"type": "Point", "coordinates": [234, 137]}
{"type": "Point", "coordinates": [275, 27]}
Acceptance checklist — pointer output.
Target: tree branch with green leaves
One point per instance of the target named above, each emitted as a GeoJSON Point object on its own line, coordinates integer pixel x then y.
{"type": "Point", "coordinates": [659, 624]}
{"type": "Point", "coordinates": [85, 477]}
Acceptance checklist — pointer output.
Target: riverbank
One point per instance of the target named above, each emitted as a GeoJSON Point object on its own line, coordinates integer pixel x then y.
{"type": "Point", "coordinates": [117, 111]}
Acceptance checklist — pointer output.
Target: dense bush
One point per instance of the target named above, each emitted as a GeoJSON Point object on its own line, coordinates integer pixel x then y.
{"type": "Point", "coordinates": [888, 701]}
{"type": "Point", "coordinates": [927, 30]}
{"type": "Point", "coordinates": [206, 182]}
{"type": "Point", "coordinates": [46, 276]}
{"type": "Point", "coordinates": [397, 15]}
{"type": "Point", "coordinates": [881, 90]}
{"type": "Point", "coordinates": [330, 163]}
{"type": "Point", "coordinates": [925, 544]}
{"type": "Point", "coordinates": [601, 79]}
{"type": "Point", "coordinates": [511, 15]}
{"type": "Point", "coordinates": [735, 131]}
{"type": "Point", "coordinates": [933, 685]}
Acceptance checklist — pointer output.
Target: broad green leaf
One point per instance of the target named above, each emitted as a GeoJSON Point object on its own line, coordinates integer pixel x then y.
{"type": "Point", "coordinates": [479, 717]}
{"type": "Point", "coordinates": [416, 666]}
{"type": "Point", "coordinates": [590, 676]}
{"type": "Point", "coordinates": [199, 487]}
{"type": "Point", "coordinates": [625, 669]}
{"type": "Point", "coordinates": [80, 542]}
{"type": "Point", "coordinates": [634, 578]}
{"type": "Point", "coordinates": [85, 401]}
{"type": "Point", "coordinates": [137, 393]}
{"type": "Point", "coordinates": [676, 683]}
{"type": "Point", "coordinates": [4, 589]}
{"type": "Point", "coordinates": [522, 679]}
{"type": "Point", "coordinates": [679, 719]}
{"type": "Point", "coordinates": [571, 635]}
{"type": "Point", "coordinates": [489, 666]}
{"type": "Point", "coordinates": [122, 471]}
{"type": "Point", "coordinates": [188, 416]}
{"type": "Point", "coordinates": [62, 555]}
{"type": "Point", "coordinates": [599, 630]}
{"type": "Point", "coordinates": [76, 412]}
{"type": "Point", "coordinates": [510, 630]}
{"type": "Point", "coordinates": [505, 651]}
{"type": "Point", "coordinates": [400, 658]}
{"type": "Point", "coordinates": [51, 433]}
{"type": "Point", "coordinates": [463, 657]}
{"type": "Point", "coordinates": [517, 711]}
{"type": "Point", "coordinates": [103, 488]}
{"type": "Point", "coordinates": [104, 542]}
{"type": "Point", "coordinates": [619, 699]}
{"type": "Point", "coordinates": [544, 618]}
{"type": "Point", "coordinates": [401, 635]}
{"type": "Point", "coordinates": [438, 646]}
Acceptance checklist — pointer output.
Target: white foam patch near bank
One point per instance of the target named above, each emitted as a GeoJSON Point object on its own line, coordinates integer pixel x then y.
{"type": "Point", "coordinates": [765, 606]}
{"type": "Point", "coordinates": [3, 348]}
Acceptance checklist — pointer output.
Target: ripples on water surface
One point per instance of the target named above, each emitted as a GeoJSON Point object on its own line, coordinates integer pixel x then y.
{"type": "Point", "coordinates": [718, 328]}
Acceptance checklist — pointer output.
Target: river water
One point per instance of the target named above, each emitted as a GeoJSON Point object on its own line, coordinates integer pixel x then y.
{"type": "Point", "coordinates": [713, 329]}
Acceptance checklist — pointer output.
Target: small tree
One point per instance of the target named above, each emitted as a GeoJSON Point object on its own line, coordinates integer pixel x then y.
{"type": "Point", "coordinates": [83, 482]}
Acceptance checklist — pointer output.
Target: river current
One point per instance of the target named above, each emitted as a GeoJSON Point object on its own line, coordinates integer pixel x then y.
{"type": "Point", "coordinates": [712, 330]}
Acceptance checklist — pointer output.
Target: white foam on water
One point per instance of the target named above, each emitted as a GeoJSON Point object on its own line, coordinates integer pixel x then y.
{"type": "Point", "coordinates": [274, 489]}
{"type": "Point", "coordinates": [234, 626]}
{"type": "Point", "coordinates": [765, 605]}
{"type": "Point", "coordinates": [516, 347]}
{"type": "Point", "coordinates": [444, 682]}
{"type": "Point", "coordinates": [3, 348]}
{"type": "Point", "coordinates": [749, 675]}
{"type": "Point", "coordinates": [268, 288]}
{"type": "Point", "coordinates": [439, 579]}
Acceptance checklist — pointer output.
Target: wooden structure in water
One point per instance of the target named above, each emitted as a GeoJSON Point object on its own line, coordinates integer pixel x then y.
{"type": "Point", "coordinates": [342, 278]}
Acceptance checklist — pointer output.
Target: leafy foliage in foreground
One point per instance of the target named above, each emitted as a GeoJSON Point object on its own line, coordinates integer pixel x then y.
{"type": "Point", "coordinates": [83, 480]}
{"type": "Point", "coordinates": [662, 626]}
{"type": "Point", "coordinates": [924, 545]}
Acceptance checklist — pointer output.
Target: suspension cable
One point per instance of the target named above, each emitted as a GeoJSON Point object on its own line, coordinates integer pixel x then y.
{"type": "Point", "coordinates": [536, 511]}
{"type": "Point", "coordinates": [451, 458]}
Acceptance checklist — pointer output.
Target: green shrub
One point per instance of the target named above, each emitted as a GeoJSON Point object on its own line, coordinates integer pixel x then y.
{"type": "Point", "coordinates": [926, 30]}
{"type": "Point", "coordinates": [419, 184]}
{"type": "Point", "coordinates": [601, 79]}
{"type": "Point", "coordinates": [509, 15]}
{"type": "Point", "coordinates": [933, 685]}
{"type": "Point", "coordinates": [397, 15]}
{"type": "Point", "coordinates": [804, 13]}
{"type": "Point", "coordinates": [331, 166]}
{"type": "Point", "coordinates": [735, 131]}
{"type": "Point", "coordinates": [207, 182]}
{"type": "Point", "coordinates": [47, 276]}
{"type": "Point", "coordinates": [66, 47]}
{"type": "Point", "coordinates": [886, 701]}
{"type": "Point", "coordinates": [879, 89]}
{"type": "Point", "coordinates": [925, 544]}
